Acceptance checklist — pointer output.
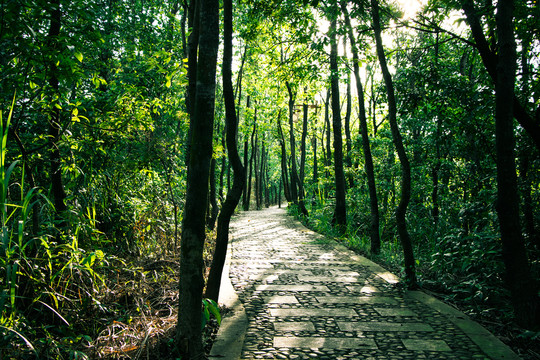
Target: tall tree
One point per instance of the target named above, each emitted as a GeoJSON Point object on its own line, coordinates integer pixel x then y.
{"type": "Point", "coordinates": [340, 212]}
{"type": "Point", "coordinates": [188, 335]}
{"type": "Point", "coordinates": [368, 159]}
{"type": "Point", "coordinates": [523, 288]}
{"type": "Point", "coordinates": [233, 196]}
{"type": "Point", "coordinates": [401, 210]}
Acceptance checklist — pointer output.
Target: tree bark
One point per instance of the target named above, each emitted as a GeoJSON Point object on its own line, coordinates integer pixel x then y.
{"type": "Point", "coordinates": [234, 195]}
{"type": "Point", "coordinates": [294, 173]}
{"type": "Point", "coordinates": [339, 218]}
{"type": "Point", "coordinates": [188, 331]}
{"type": "Point", "coordinates": [193, 46]}
{"type": "Point", "coordinates": [284, 171]}
{"type": "Point", "coordinates": [368, 159]}
{"type": "Point", "coordinates": [214, 208]}
{"type": "Point", "coordinates": [301, 192]}
{"type": "Point", "coordinates": [401, 210]}
{"type": "Point", "coordinates": [523, 287]}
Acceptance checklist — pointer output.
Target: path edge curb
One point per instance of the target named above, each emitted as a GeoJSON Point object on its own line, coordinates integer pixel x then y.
{"type": "Point", "coordinates": [491, 345]}
{"type": "Point", "coordinates": [486, 341]}
{"type": "Point", "coordinates": [232, 331]}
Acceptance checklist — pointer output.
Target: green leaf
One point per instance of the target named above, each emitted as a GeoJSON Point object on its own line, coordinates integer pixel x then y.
{"type": "Point", "coordinates": [79, 56]}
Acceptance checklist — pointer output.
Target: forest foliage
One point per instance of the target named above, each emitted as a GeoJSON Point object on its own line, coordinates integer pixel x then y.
{"type": "Point", "coordinates": [96, 134]}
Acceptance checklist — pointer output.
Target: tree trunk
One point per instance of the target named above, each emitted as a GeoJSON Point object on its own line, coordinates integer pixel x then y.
{"type": "Point", "coordinates": [301, 192]}
{"type": "Point", "coordinates": [253, 152]}
{"type": "Point", "coordinates": [368, 159]}
{"type": "Point", "coordinates": [339, 218]}
{"type": "Point", "coordinates": [256, 172]}
{"type": "Point", "coordinates": [315, 169]}
{"type": "Point", "coordinates": [328, 157]}
{"type": "Point", "coordinates": [245, 199]}
{"type": "Point", "coordinates": [193, 46]}
{"type": "Point", "coordinates": [188, 332]}
{"type": "Point", "coordinates": [401, 210]}
{"type": "Point", "coordinates": [294, 174]}
{"type": "Point", "coordinates": [214, 208]}
{"type": "Point", "coordinates": [522, 286]}
{"type": "Point", "coordinates": [284, 171]}
{"type": "Point", "coordinates": [233, 196]}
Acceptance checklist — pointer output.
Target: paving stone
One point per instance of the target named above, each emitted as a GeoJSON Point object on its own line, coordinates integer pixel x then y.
{"type": "Point", "coordinates": [324, 342]}
{"type": "Point", "coordinates": [395, 312]}
{"type": "Point", "coordinates": [327, 279]}
{"type": "Point", "coordinates": [282, 299]}
{"type": "Point", "coordinates": [362, 288]}
{"type": "Point", "coordinates": [312, 312]}
{"type": "Point", "coordinates": [330, 299]}
{"type": "Point", "coordinates": [425, 345]}
{"type": "Point", "coordinates": [294, 326]}
{"type": "Point", "coordinates": [285, 287]}
{"type": "Point", "coordinates": [382, 326]}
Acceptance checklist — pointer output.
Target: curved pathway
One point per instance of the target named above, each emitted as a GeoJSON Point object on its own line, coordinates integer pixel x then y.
{"type": "Point", "coordinates": [303, 296]}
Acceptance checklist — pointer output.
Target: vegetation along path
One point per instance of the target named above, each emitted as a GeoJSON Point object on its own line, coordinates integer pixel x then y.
{"type": "Point", "coordinates": [307, 297]}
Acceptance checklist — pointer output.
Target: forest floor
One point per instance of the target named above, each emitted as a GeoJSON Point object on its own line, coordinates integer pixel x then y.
{"type": "Point", "coordinates": [305, 296]}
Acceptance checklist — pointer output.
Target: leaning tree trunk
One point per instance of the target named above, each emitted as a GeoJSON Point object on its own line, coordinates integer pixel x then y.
{"type": "Point", "coordinates": [401, 210]}
{"type": "Point", "coordinates": [522, 286]}
{"type": "Point", "coordinates": [188, 331]}
{"type": "Point", "coordinates": [340, 212]}
{"type": "Point", "coordinates": [368, 159]}
{"type": "Point", "coordinates": [233, 196]}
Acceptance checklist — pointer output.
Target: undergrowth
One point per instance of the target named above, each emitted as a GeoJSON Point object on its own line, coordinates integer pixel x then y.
{"type": "Point", "coordinates": [70, 292]}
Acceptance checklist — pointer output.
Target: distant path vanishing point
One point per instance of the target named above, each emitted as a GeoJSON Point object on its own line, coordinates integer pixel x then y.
{"type": "Point", "coordinates": [306, 297]}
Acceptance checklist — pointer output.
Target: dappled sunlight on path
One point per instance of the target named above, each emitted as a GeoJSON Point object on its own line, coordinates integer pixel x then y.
{"type": "Point", "coordinates": [307, 297]}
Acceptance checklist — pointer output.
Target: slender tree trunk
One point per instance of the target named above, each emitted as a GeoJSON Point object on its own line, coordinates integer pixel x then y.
{"type": "Point", "coordinates": [523, 288]}
{"type": "Point", "coordinates": [315, 169]}
{"type": "Point", "coordinates": [284, 171]}
{"type": "Point", "coordinates": [188, 335]}
{"type": "Point", "coordinates": [256, 171]}
{"type": "Point", "coordinates": [234, 195]}
{"type": "Point", "coordinates": [340, 213]}
{"type": "Point", "coordinates": [245, 198]}
{"type": "Point", "coordinates": [348, 141]}
{"type": "Point", "coordinates": [328, 156]}
{"type": "Point", "coordinates": [301, 192]}
{"type": "Point", "coordinates": [250, 176]}
{"type": "Point", "coordinates": [401, 210]}
{"type": "Point", "coordinates": [528, 207]}
{"type": "Point", "coordinates": [368, 159]}
{"type": "Point", "coordinates": [294, 174]}
{"type": "Point", "coordinates": [214, 208]}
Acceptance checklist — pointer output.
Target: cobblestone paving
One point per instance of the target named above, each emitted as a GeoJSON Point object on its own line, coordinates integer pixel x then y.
{"type": "Point", "coordinates": [306, 299]}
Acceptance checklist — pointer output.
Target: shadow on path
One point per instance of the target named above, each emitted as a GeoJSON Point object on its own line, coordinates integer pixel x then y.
{"type": "Point", "coordinates": [298, 295]}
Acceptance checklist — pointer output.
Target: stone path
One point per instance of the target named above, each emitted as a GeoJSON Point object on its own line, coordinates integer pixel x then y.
{"type": "Point", "coordinates": [307, 297]}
